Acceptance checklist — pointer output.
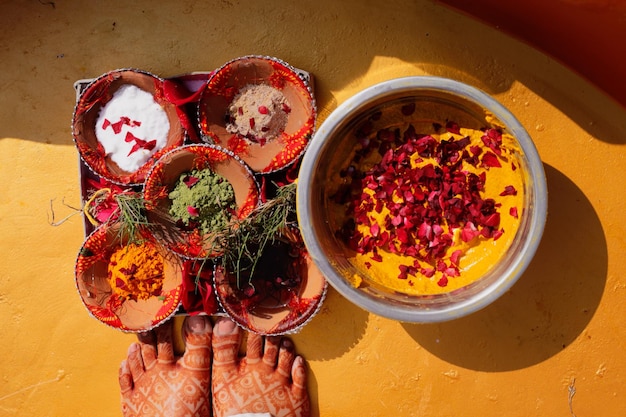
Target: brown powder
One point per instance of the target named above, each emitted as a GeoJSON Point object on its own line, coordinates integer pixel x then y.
{"type": "Point", "coordinates": [259, 113]}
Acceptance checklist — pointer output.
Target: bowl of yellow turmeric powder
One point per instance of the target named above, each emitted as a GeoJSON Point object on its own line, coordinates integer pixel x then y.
{"type": "Point", "coordinates": [421, 199]}
{"type": "Point", "coordinates": [129, 282]}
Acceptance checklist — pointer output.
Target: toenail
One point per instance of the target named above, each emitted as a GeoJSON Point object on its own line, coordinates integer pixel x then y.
{"type": "Point", "coordinates": [196, 324]}
{"type": "Point", "coordinates": [225, 326]}
{"type": "Point", "coordinates": [286, 343]}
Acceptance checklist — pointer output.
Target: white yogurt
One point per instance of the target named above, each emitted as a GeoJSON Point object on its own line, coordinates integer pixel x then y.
{"type": "Point", "coordinates": [131, 127]}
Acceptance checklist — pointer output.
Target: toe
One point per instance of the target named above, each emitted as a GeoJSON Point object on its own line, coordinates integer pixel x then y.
{"type": "Point", "coordinates": [298, 376]}
{"type": "Point", "coordinates": [134, 362]}
{"type": "Point", "coordinates": [165, 347]}
{"type": "Point", "coordinates": [270, 353]}
{"type": "Point", "coordinates": [197, 333]}
{"type": "Point", "coordinates": [125, 378]}
{"type": "Point", "coordinates": [254, 348]}
{"type": "Point", "coordinates": [286, 357]}
{"type": "Point", "coordinates": [226, 339]}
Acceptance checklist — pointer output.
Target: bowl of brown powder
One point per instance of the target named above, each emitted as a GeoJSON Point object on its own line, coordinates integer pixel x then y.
{"type": "Point", "coordinates": [260, 108]}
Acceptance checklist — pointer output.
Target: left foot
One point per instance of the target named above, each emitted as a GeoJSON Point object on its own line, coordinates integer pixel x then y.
{"type": "Point", "coordinates": [154, 382]}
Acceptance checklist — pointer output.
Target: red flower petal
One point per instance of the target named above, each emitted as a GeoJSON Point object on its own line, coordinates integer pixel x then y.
{"type": "Point", "coordinates": [453, 127]}
{"type": "Point", "coordinates": [469, 232]}
{"type": "Point", "coordinates": [490, 159]}
{"type": "Point", "coordinates": [508, 190]}
{"type": "Point", "coordinates": [428, 272]}
{"type": "Point", "coordinates": [194, 212]}
{"type": "Point", "coordinates": [456, 256]}
{"type": "Point", "coordinates": [190, 181]}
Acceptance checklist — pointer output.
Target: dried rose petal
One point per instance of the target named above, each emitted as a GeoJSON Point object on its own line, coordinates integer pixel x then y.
{"type": "Point", "coordinates": [490, 159]}
{"type": "Point", "coordinates": [190, 181]}
{"type": "Point", "coordinates": [130, 137]}
{"type": "Point", "coordinates": [453, 127]}
{"type": "Point", "coordinates": [149, 145]}
{"type": "Point", "coordinates": [508, 190]}
{"type": "Point", "coordinates": [456, 256]}
{"type": "Point", "coordinates": [493, 220]}
{"type": "Point", "coordinates": [469, 232]}
{"type": "Point", "coordinates": [428, 272]}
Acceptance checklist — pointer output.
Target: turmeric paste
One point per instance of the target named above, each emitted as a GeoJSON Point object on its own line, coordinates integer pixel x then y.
{"type": "Point", "coordinates": [135, 271]}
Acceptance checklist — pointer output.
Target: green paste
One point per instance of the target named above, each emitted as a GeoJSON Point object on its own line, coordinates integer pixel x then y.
{"type": "Point", "coordinates": [204, 199]}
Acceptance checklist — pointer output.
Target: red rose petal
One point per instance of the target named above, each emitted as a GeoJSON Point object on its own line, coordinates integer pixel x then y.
{"type": "Point", "coordinates": [456, 256]}
{"type": "Point", "coordinates": [190, 181]}
{"type": "Point", "coordinates": [490, 159]}
{"type": "Point", "coordinates": [508, 190]}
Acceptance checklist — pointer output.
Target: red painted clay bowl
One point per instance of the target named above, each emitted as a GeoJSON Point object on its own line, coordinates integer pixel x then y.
{"type": "Point", "coordinates": [162, 179]}
{"type": "Point", "coordinates": [282, 296]}
{"type": "Point", "coordinates": [222, 88]}
{"type": "Point", "coordinates": [95, 290]}
{"type": "Point", "coordinates": [435, 99]}
{"type": "Point", "coordinates": [90, 103]}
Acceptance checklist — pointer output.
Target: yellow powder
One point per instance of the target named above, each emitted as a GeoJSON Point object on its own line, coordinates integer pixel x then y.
{"type": "Point", "coordinates": [136, 271]}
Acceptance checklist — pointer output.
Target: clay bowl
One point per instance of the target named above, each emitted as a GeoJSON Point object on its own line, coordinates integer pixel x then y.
{"type": "Point", "coordinates": [95, 97]}
{"type": "Point", "coordinates": [214, 114]}
{"type": "Point", "coordinates": [431, 100]}
{"type": "Point", "coordinates": [282, 295]}
{"type": "Point", "coordinates": [95, 290]}
{"type": "Point", "coordinates": [188, 242]}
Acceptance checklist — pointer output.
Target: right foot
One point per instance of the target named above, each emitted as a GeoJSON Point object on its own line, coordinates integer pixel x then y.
{"type": "Point", "coordinates": [270, 378]}
{"type": "Point", "coordinates": [154, 382]}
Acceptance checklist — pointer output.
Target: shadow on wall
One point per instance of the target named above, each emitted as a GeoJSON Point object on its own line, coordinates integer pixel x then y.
{"type": "Point", "coordinates": [547, 308]}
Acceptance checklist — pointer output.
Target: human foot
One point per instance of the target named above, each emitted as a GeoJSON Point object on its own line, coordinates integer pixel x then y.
{"type": "Point", "coordinates": [270, 378]}
{"type": "Point", "coordinates": [154, 382]}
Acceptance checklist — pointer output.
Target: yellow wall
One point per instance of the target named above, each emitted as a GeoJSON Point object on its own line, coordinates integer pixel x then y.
{"type": "Point", "coordinates": [561, 322]}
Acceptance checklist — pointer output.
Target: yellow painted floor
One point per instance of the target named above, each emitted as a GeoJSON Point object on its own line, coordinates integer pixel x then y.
{"type": "Point", "coordinates": [558, 329]}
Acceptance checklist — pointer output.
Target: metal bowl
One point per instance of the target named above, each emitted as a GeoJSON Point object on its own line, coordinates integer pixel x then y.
{"type": "Point", "coordinates": [436, 99]}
